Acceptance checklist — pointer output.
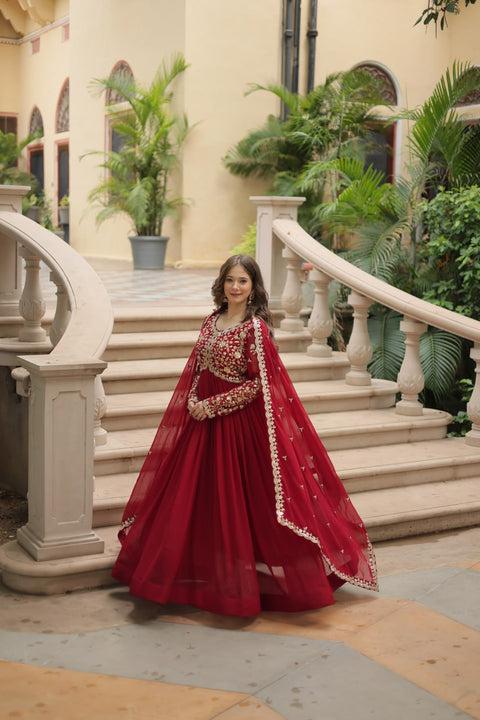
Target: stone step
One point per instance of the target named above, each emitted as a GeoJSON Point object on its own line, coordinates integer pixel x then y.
{"type": "Point", "coordinates": [388, 513]}
{"type": "Point", "coordinates": [129, 376]}
{"type": "Point", "coordinates": [361, 469]}
{"type": "Point", "coordinates": [159, 319]}
{"type": "Point", "coordinates": [426, 508]}
{"type": "Point", "coordinates": [406, 464]}
{"type": "Point", "coordinates": [168, 318]}
{"type": "Point", "coordinates": [179, 344]}
{"type": "Point", "coordinates": [145, 409]}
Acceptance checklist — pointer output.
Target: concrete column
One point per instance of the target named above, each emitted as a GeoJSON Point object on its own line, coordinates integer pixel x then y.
{"type": "Point", "coordinates": [61, 447]}
{"type": "Point", "coordinates": [269, 247]}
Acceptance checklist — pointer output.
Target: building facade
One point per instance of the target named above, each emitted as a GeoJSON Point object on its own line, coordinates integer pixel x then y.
{"type": "Point", "coordinates": [50, 50]}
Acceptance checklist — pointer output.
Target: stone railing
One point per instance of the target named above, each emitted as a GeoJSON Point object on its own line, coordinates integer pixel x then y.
{"type": "Point", "coordinates": [59, 373]}
{"type": "Point", "coordinates": [281, 246]}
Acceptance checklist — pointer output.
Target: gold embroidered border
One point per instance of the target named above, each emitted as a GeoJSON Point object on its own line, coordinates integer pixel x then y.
{"type": "Point", "coordinates": [277, 476]}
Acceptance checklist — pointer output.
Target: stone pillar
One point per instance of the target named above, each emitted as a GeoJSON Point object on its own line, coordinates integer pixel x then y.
{"type": "Point", "coordinates": [269, 247]}
{"type": "Point", "coordinates": [10, 265]}
{"type": "Point", "coordinates": [411, 378]}
{"type": "Point", "coordinates": [61, 447]}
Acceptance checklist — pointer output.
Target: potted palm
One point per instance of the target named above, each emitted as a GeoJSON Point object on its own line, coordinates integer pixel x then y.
{"type": "Point", "coordinates": [137, 173]}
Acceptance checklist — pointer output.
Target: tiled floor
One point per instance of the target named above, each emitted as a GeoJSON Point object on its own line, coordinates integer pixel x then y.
{"type": "Point", "coordinates": [411, 652]}
{"type": "Point", "coordinates": [127, 286]}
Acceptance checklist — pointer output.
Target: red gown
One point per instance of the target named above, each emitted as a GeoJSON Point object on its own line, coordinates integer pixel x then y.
{"type": "Point", "coordinates": [242, 511]}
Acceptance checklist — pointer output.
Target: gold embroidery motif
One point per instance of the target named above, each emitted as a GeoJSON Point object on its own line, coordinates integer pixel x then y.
{"type": "Point", "coordinates": [277, 476]}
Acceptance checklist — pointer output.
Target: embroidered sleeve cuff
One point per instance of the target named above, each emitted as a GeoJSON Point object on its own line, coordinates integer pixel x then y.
{"type": "Point", "coordinates": [232, 400]}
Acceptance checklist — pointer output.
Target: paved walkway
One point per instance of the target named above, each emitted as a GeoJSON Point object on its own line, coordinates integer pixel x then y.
{"type": "Point", "coordinates": [410, 652]}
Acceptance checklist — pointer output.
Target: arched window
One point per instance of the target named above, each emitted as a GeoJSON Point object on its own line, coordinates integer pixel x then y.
{"type": "Point", "coordinates": [113, 96]}
{"type": "Point", "coordinates": [381, 153]}
{"type": "Point", "coordinates": [387, 88]}
{"type": "Point", "coordinates": [473, 98]}
{"type": "Point", "coordinates": [63, 109]}
{"type": "Point", "coordinates": [36, 122]}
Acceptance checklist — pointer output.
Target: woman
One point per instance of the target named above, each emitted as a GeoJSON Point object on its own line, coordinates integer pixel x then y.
{"type": "Point", "coordinates": [237, 507]}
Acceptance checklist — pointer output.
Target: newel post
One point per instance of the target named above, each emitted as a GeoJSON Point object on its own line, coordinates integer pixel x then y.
{"type": "Point", "coordinates": [61, 447]}
{"type": "Point", "coordinates": [269, 247]}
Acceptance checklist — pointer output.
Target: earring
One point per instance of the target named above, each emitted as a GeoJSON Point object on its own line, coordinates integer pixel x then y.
{"type": "Point", "coordinates": [250, 298]}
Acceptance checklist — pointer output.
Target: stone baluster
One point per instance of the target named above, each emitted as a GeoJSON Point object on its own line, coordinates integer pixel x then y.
{"type": "Point", "coordinates": [359, 348]}
{"type": "Point", "coordinates": [320, 324]}
{"type": "Point", "coordinates": [32, 304]}
{"type": "Point", "coordinates": [100, 406]}
{"type": "Point", "coordinates": [292, 296]}
{"type": "Point", "coordinates": [62, 311]}
{"type": "Point", "coordinates": [411, 378]}
{"type": "Point", "coordinates": [473, 406]}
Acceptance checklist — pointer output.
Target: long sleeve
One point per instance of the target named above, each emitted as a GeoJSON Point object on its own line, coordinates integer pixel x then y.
{"type": "Point", "coordinates": [234, 399]}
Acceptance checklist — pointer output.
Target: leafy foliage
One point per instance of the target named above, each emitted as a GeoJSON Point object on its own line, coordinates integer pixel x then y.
{"type": "Point", "coordinates": [137, 175]}
{"type": "Point", "coordinates": [331, 121]}
{"type": "Point", "coordinates": [10, 153]}
{"type": "Point", "coordinates": [450, 259]}
{"type": "Point", "coordinates": [437, 12]}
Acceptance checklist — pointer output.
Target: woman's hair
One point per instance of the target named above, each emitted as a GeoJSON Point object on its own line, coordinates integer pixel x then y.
{"type": "Point", "coordinates": [258, 304]}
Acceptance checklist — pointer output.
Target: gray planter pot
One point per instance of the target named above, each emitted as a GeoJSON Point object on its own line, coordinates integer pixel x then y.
{"type": "Point", "coordinates": [148, 252]}
{"type": "Point", "coordinates": [33, 213]}
{"type": "Point", "coordinates": [64, 215]}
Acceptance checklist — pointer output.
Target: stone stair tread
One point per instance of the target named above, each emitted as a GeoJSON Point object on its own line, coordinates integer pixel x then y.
{"type": "Point", "coordinates": [150, 402]}
{"type": "Point", "coordinates": [169, 366]}
{"type": "Point", "coordinates": [183, 337]}
{"type": "Point", "coordinates": [351, 463]}
{"type": "Point", "coordinates": [376, 507]}
{"type": "Point", "coordinates": [374, 420]}
{"type": "Point", "coordinates": [151, 339]}
{"type": "Point", "coordinates": [421, 455]}
{"type": "Point", "coordinates": [397, 504]}
{"type": "Point", "coordinates": [167, 312]}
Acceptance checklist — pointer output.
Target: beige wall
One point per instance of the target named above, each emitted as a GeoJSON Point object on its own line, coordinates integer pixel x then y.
{"type": "Point", "coordinates": [141, 38]}
{"type": "Point", "coordinates": [229, 45]}
{"type": "Point", "coordinates": [42, 78]}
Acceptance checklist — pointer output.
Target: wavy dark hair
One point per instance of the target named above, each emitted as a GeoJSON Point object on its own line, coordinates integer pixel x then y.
{"type": "Point", "coordinates": [259, 297]}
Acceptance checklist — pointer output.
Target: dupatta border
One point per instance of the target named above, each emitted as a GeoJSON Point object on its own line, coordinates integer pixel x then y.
{"type": "Point", "coordinates": [277, 476]}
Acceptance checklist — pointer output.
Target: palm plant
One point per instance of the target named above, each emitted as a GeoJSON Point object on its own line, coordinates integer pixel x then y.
{"type": "Point", "coordinates": [379, 218]}
{"type": "Point", "coordinates": [137, 175]}
{"type": "Point", "coordinates": [322, 125]}
{"type": "Point", "coordinates": [10, 153]}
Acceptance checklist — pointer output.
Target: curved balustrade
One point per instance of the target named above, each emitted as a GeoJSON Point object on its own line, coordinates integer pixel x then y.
{"type": "Point", "coordinates": [61, 377]}
{"type": "Point", "coordinates": [279, 234]}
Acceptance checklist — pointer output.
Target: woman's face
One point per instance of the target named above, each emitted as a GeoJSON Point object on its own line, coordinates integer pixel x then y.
{"type": "Point", "coordinates": [237, 287]}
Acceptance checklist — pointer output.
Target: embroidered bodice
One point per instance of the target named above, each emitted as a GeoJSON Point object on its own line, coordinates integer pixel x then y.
{"type": "Point", "coordinates": [230, 355]}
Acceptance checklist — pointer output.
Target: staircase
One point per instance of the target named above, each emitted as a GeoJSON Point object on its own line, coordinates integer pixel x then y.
{"type": "Point", "coordinates": [404, 475]}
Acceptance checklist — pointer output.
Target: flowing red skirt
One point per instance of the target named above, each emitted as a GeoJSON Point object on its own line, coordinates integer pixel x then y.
{"type": "Point", "coordinates": [207, 534]}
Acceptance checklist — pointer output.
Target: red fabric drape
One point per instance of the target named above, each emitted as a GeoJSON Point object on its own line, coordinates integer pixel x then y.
{"type": "Point", "coordinates": [243, 511]}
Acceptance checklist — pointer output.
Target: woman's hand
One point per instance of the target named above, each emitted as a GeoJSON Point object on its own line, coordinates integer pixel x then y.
{"type": "Point", "coordinates": [197, 411]}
